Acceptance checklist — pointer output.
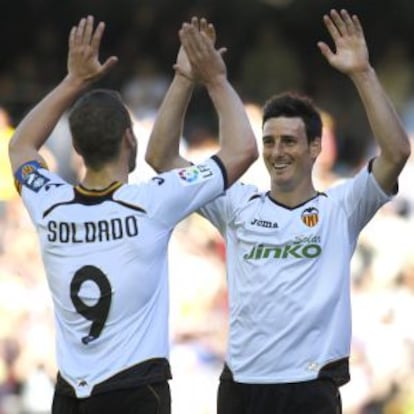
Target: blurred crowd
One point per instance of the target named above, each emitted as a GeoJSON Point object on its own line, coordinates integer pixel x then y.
{"type": "Point", "coordinates": [271, 47]}
{"type": "Point", "coordinates": [382, 362]}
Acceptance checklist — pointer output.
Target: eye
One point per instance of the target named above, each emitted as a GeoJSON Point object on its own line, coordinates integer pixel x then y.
{"type": "Point", "coordinates": [267, 141]}
{"type": "Point", "coordinates": [289, 141]}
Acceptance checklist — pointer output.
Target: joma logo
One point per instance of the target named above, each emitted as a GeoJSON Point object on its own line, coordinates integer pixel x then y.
{"type": "Point", "coordinates": [264, 223]}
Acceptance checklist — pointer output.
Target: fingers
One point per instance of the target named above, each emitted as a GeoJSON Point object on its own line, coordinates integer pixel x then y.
{"type": "Point", "coordinates": [79, 29]}
{"type": "Point", "coordinates": [208, 29]}
{"type": "Point", "coordinates": [109, 64]}
{"type": "Point", "coordinates": [222, 50]}
{"type": "Point", "coordinates": [211, 32]}
{"type": "Point", "coordinates": [183, 35]}
{"type": "Point", "coordinates": [350, 53]}
{"type": "Point", "coordinates": [195, 23]}
{"type": "Point", "coordinates": [357, 26]}
{"type": "Point", "coordinates": [72, 35]}
{"type": "Point", "coordinates": [197, 39]}
{"type": "Point", "coordinates": [199, 26]}
{"type": "Point", "coordinates": [325, 50]}
{"type": "Point", "coordinates": [88, 30]}
{"type": "Point", "coordinates": [84, 45]}
{"type": "Point", "coordinates": [338, 22]}
{"type": "Point", "coordinates": [189, 31]}
{"type": "Point", "coordinates": [341, 24]}
{"type": "Point", "coordinates": [192, 41]}
{"type": "Point", "coordinates": [203, 24]}
{"type": "Point", "coordinates": [349, 24]}
{"type": "Point", "coordinates": [84, 34]}
{"type": "Point", "coordinates": [97, 36]}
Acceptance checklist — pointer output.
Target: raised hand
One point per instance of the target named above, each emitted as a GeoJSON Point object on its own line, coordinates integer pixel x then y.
{"type": "Point", "coordinates": [183, 65]}
{"type": "Point", "coordinates": [205, 62]}
{"type": "Point", "coordinates": [83, 57]}
{"type": "Point", "coordinates": [351, 54]}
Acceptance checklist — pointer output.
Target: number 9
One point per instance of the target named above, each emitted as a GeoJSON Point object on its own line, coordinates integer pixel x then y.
{"type": "Point", "coordinates": [98, 312]}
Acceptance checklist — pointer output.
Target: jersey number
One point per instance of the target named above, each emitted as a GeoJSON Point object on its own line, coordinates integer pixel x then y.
{"type": "Point", "coordinates": [98, 312]}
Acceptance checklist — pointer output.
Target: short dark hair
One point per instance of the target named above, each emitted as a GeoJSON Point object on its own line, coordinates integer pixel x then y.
{"type": "Point", "coordinates": [98, 121]}
{"type": "Point", "coordinates": [292, 105]}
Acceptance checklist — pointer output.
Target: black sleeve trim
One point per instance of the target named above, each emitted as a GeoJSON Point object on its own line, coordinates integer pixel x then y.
{"type": "Point", "coordinates": [223, 170]}
{"type": "Point", "coordinates": [371, 161]}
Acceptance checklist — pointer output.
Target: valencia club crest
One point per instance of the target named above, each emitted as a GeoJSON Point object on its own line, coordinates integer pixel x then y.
{"type": "Point", "coordinates": [310, 216]}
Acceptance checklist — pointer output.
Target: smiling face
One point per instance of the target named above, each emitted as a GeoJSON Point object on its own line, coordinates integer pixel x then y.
{"type": "Point", "coordinates": [288, 155]}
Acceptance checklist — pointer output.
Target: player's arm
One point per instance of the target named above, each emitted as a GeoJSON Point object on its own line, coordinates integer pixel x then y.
{"type": "Point", "coordinates": [84, 68]}
{"type": "Point", "coordinates": [351, 58]}
{"type": "Point", "coordinates": [238, 147]}
{"type": "Point", "coordinates": [162, 152]}
{"type": "Point", "coordinates": [163, 146]}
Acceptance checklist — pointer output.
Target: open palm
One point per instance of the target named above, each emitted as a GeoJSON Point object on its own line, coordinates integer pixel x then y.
{"type": "Point", "coordinates": [351, 52]}
{"type": "Point", "coordinates": [183, 65]}
{"type": "Point", "coordinates": [83, 58]}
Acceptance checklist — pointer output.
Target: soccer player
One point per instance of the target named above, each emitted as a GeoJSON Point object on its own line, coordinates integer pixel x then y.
{"type": "Point", "coordinates": [289, 249]}
{"type": "Point", "coordinates": [104, 242]}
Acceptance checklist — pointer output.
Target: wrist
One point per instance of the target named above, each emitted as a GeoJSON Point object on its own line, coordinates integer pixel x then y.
{"type": "Point", "coordinates": [217, 82]}
{"type": "Point", "coordinates": [363, 75]}
{"type": "Point", "coordinates": [74, 84]}
{"type": "Point", "coordinates": [184, 79]}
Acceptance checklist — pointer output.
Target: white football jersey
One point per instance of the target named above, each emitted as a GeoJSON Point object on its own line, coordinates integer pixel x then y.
{"type": "Point", "coordinates": [288, 272]}
{"type": "Point", "coordinates": [105, 256]}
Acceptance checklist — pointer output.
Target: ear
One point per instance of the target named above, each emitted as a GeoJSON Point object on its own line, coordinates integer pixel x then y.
{"type": "Point", "coordinates": [130, 138]}
{"type": "Point", "coordinates": [75, 147]}
{"type": "Point", "coordinates": [316, 147]}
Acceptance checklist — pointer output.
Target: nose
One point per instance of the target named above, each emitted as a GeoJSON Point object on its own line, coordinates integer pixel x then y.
{"type": "Point", "coordinates": [278, 148]}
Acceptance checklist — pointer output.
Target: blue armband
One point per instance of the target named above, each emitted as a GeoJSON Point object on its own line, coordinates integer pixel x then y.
{"type": "Point", "coordinates": [29, 176]}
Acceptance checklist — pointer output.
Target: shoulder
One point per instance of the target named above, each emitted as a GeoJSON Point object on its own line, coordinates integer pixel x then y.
{"type": "Point", "coordinates": [244, 192]}
{"type": "Point", "coordinates": [363, 179]}
{"type": "Point", "coordinates": [35, 176]}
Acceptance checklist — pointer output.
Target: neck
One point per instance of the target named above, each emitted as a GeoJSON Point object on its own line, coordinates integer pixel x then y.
{"type": "Point", "coordinates": [98, 180]}
{"type": "Point", "coordinates": [293, 197]}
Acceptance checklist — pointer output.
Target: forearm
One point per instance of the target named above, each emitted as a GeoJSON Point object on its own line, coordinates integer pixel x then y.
{"type": "Point", "coordinates": [37, 125]}
{"type": "Point", "coordinates": [237, 139]}
{"type": "Point", "coordinates": [163, 147]}
{"type": "Point", "coordinates": [382, 116]}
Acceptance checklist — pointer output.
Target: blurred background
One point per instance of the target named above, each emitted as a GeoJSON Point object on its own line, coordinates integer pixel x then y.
{"type": "Point", "coordinates": [271, 47]}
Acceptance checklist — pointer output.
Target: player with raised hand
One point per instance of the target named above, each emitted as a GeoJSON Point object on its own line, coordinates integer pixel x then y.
{"type": "Point", "coordinates": [104, 242]}
{"type": "Point", "coordinates": [289, 249]}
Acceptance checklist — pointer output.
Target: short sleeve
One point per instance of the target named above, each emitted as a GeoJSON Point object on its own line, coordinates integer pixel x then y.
{"type": "Point", "coordinates": [223, 209]}
{"type": "Point", "coordinates": [360, 197]}
{"type": "Point", "coordinates": [182, 191]}
{"type": "Point", "coordinates": [37, 187]}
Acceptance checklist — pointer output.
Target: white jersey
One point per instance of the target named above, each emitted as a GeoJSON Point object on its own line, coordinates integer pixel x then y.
{"type": "Point", "coordinates": [105, 255]}
{"type": "Point", "coordinates": [288, 273]}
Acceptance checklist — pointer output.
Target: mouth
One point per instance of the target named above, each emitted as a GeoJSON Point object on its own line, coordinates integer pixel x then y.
{"type": "Point", "coordinates": [280, 166]}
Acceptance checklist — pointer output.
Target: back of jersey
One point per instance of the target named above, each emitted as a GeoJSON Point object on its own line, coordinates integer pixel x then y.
{"type": "Point", "coordinates": [106, 287]}
{"type": "Point", "coordinates": [105, 255]}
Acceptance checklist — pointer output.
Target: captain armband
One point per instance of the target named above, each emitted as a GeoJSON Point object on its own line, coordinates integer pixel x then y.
{"type": "Point", "coordinates": [30, 176]}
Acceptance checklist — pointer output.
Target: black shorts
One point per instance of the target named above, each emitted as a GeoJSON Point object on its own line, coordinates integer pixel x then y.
{"type": "Point", "coordinates": [144, 399]}
{"type": "Point", "coordinates": [320, 396]}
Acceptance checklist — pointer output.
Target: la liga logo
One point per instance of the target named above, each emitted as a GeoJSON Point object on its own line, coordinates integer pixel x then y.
{"type": "Point", "coordinates": [189, 175]}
